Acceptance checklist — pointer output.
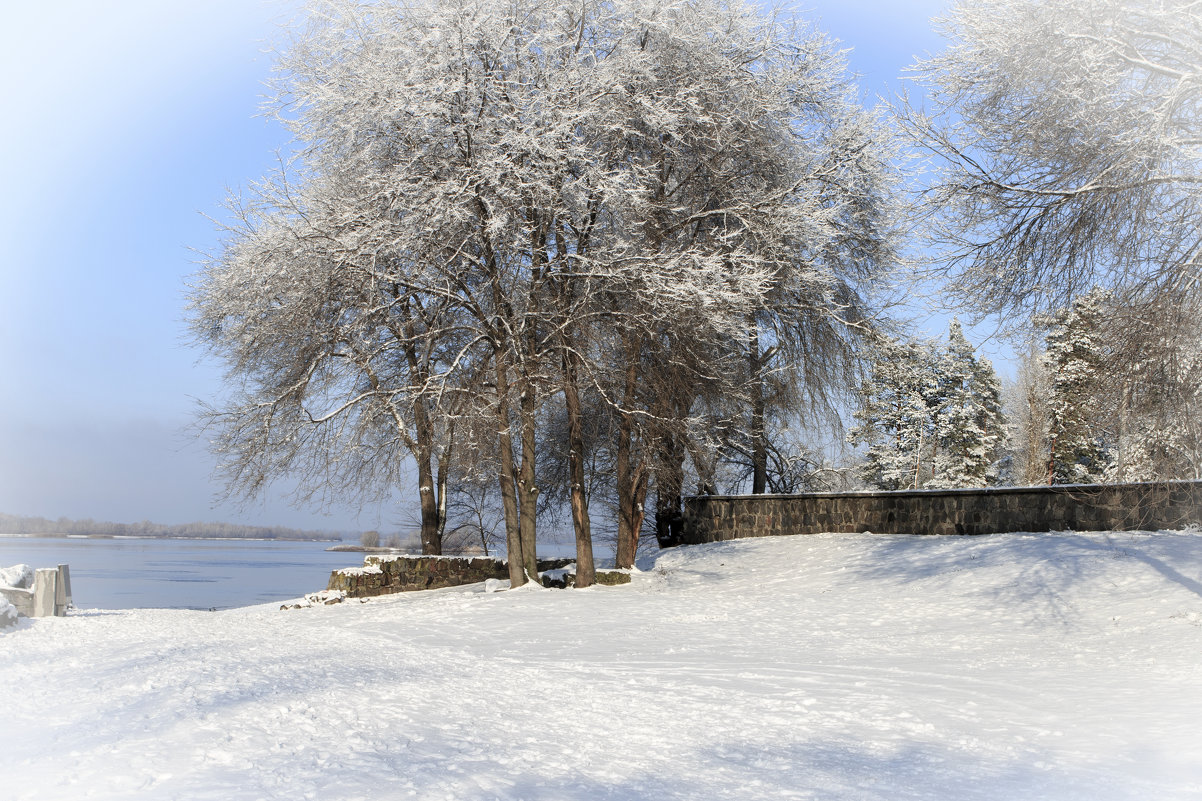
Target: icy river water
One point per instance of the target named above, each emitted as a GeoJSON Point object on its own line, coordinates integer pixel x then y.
{"type": "Point", "coordinates": [181, 574]}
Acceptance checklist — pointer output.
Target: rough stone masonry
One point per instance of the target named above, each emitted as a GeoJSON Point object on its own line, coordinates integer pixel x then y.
{"type": "Point", "coordinates": [386, 574]}
{"type": "Point", "coordinates": [1101, 507]}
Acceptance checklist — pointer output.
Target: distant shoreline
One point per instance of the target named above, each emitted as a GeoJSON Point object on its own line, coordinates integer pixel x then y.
{"type": "Point", "coordinates": [61, 536]}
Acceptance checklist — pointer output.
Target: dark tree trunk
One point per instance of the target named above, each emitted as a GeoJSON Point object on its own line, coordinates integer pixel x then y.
{"type": "Point", "coordinates": [512, 493]}
{"type": "Point", "coordinates": [422, 445]}
{"type": "Point", "coordinates": [527, 486]}
{"type": "Point", "coordinates": [507, 478]}
{"type": "Point", "coordinates": [669, 481]}
{"type": "Point", "coordinates": [631, 472]}
{"type": "Point", "coordinates": [440, 483]}
{"type": "Point", "coordinates": [431, 517]}
{"type": "Point", "coordinates": [759, 444]}
{"type": "Point", "coordinates": [431, 530]}
{"type": "Point", "coordinates": [577, 497]}
{"type": "Point", "coordinates": [632, 500]}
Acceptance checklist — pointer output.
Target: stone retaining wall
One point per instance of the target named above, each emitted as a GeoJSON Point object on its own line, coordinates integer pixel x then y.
{"type": "Point", "coordinates": [382, 575]}
{"type": "Point", "coordinates": [1110, 507]}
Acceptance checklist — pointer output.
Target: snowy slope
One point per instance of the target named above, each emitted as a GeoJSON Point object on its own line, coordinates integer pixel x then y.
{"type": "Point", "coordinates": [827, 667]}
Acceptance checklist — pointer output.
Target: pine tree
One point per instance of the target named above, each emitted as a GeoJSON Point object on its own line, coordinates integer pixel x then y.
{"type": "Point", "coordinates": [967, 417]}
{"type": "Point", "coordinates": [931, 416]}
{"type": "Point", "coordinates": [895, 416]}
{"type": "Point", "coordinates": [1073, 357]}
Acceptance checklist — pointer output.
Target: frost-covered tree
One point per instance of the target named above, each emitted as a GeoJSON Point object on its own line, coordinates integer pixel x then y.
{"type": "Point", "coordinates": [1068, 151]}
{"type": "Point", "coordinates": [969, 428]}
{"type": "Point", "coordinates": [333, 372]}
{"type": "Point", "coordinates": [1026, 404]}
{"type": "Point", "coordinates": [499, 208]}
{"type": "Point", "coordinates": [1156, 418]}
{"type": "Point", "coordinates": [1074, 355]}
{"type": "Point", "coordinates": [1107, 400]}
{"type": "Point", "coordinates": [748, 147]}
{"type": "Point", "coordinates": [420, 196]}
{"type": "Point", "coordinates": [930, 416]}
{"type": "Point", "coordinates": [895, 415]}
{"type": "Point", "coordinates": [1065, 136]}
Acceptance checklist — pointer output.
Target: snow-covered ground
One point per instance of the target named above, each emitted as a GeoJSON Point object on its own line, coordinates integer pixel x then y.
{"type": "Point", "coordinates": [1055, 666]}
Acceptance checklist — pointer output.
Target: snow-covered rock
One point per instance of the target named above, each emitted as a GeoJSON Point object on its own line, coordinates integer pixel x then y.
{"type": "Point", "coordinates": [322, 598]}
{"type": "Point", "coordinates": [16, 593]}
{"type": "Point", "coordinates": [8, 613]}
{"type": "Point", "coordinates": [20, 576]}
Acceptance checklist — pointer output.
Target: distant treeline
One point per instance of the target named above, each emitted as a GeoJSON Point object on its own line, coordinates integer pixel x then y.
{"type": "Point", "coordinates": [30, 526]}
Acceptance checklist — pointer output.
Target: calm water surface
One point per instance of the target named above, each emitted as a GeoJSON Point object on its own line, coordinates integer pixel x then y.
{"type": "Point", "coordinates": [181, 574]}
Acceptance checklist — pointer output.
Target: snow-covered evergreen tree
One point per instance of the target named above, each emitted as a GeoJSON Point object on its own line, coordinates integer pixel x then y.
{"type": "Point", "coordinates": [1112, 397]}
{"type": "Point", "coordinates": [1074, 355]}
{"type": "Point", "coordinates": [931, 416]}
{"type": "Point", "coordinates": [895, 415]}
{"type": "Point", "coordinates": [967, 417]}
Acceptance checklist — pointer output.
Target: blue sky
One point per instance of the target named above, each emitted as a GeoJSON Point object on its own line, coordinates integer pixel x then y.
{"type": "Point", "coordinates": [125, 123]}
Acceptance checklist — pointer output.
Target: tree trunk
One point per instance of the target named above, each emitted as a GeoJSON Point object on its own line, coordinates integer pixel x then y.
{"type": "Point", "coordinates": [759, 445]}
{"type": "Point", "coordinates": [431, 542]}
{"type": "Point", "coordinates": [507, 470]}
{"type": "Point", "coordinates": [507, 478]}
{"type": "Point", "coordinates": [1051, 471]}
{"type": "Point", "coordinates": [585, 573]}
{"type": "Point", "coordinates": [669, 481]}
{"type": "Point", "coordinates": [631, 476]}
{"type": "Point", "coordinates": [440, 482]}
{"type": "Point", "coordinates": [423, 450]}
{"type": "Point", "coordinates": [918, 460]}
{"type": "Point", "coordinates": [527, 488]}
{"type": "Point", "coordinates": [632, 498]}
{"type": "Point", "coordinates": [431, 530]}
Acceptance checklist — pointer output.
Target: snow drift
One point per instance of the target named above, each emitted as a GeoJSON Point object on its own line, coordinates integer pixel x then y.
{"type": "Point", "coordinates": [1059, 666]}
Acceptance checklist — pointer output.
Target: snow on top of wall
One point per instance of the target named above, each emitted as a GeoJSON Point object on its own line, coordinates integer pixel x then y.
{"type": "Point", "coordinates": [360, 571]}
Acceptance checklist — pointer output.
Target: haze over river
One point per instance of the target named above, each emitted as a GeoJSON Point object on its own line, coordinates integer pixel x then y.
{"type": "Point", "coordinates": [181, 574]}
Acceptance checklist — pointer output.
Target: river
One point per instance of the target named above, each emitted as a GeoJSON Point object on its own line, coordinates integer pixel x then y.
{"type": "Point", "coordinates": [181, 574]}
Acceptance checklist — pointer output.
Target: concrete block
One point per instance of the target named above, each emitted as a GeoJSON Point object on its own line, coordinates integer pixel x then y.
{"type": "Point", "coordinates": [45, 586]}
{"type": "Point", "coordinates": [19, 597]}
{"type": "Point", "coordinates": [62, 593]}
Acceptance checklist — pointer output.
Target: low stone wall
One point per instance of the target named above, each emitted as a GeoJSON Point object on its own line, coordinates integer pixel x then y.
{"type": "Point", "coordinates": [383, 575]}
{"type": "Point", "coordinates": [561, 579]}
{"type": "Point", "coordinates": [1109, 507]}
{"type": "Point", "coordinates": [43, 592]}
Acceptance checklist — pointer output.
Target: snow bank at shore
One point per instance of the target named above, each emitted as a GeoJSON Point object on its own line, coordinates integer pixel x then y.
{"type": "Point", "coordinates": [1061, 666]}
